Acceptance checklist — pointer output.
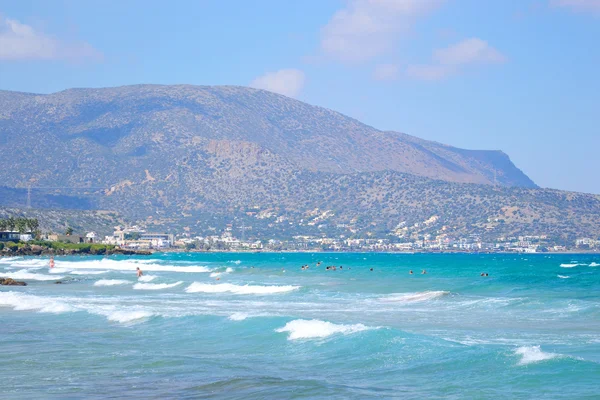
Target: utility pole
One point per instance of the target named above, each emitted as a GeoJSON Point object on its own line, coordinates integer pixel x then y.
{"type": "Point", "coordinates": [243, 228]}
{"type": "Point", "coordinates": [29, 196]}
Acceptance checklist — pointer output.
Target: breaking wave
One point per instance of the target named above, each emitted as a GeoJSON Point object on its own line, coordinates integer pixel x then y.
{"type": "Point", "coordinates": [90, 272]}
{"type": "Point", "coordinates": [128, 316]}
{"type": "Point", "coordinates": [238, 316]}
{"type": "Point", "coordinates": [128, 265]}
{"type": "Point", "coordinates": [111, 282]}
{"type": "Point", "coordinates": [28, 263]}
{"type": "Point", "coordinates": [146, 278]}
{"type": "Point", "coordinates": [317, 329]}
{"type": "Point", "coordinates": [25, 302]}
{"type": "Point", "coordinates": [30, 276]}
{"type": "Point", "coordinates": [198, 287]}
{"type": "Point", "coordinates": [568, 265]}
{"type": "Point", "coordinates": [533, 354]}
{"type": "Point", "coordinates": [155, 286]}
{"type": "Point", "coordinates": [594, 264]}
{"type": "Point", "coordinates": [563, 276]}
{"type": "Point", "coordinates": [414, 297]}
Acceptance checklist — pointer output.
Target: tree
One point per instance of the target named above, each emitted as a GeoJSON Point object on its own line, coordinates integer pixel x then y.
{"type": "Point", "coordinates": [10, 224]}
{"type": "Point", "coordinates": [21, 225]}
{"type": "Point", "coordinates": [3, 224]}
{"type": "Point", "coordinates": [69, 231]}
{"type": "Point", "coordinates": [33, 224]}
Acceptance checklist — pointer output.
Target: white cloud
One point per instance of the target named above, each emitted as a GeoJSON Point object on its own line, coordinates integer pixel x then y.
{"type": "Point", "coordinates": [21, 42]}
{"type": "Point", "coordinates": [468, 51]}
{"type": "Point", "coordinates": [449, 60]}
{"type": "Point", "coordinates": [288, 82]}
{"type": "Point", "coordinates": [578, 5]}
{"type": "Point", "coordinates": [368, 28]}
{"type": "Point", "coordinates": [385, 72]}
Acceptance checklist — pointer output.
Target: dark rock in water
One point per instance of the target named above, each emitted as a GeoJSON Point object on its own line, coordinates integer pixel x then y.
{"type": "Point", "coordinates": [11, 282]}
{"type": "Point", "coordinates": [58, 282]}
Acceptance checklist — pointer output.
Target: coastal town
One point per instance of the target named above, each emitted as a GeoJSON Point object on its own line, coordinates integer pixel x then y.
{"type": "Point", "coordinates": [137, 237]}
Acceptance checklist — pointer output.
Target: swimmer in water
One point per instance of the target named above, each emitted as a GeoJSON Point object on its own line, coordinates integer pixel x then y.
{"type": "Point", "coordinates": [410, 272]}
{"type": "Point", "coordinates": [371, 269]}
{"type": "Point", "coordinates": [423, 272]}
{"type": "Point", "coordinates": [139, 272]}
{"type": "Point", "coordinates": [51, 261]}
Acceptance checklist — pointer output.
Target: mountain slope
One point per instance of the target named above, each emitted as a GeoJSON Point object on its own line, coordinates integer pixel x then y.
{"type": "Point", "coordinates": [138, 125]}
{"type": "Point", "coordinates": [202, 157]}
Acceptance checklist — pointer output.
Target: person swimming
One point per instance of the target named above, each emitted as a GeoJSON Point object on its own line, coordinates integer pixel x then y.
{"type": "Point", "coordinates": [410, 272]}
{"type": "Point", "coordinates": [371, 269]}
{"type": "Point", "coordinates": [51, 261]}
{"type": "Point", "coordinates": [139, 272]}
{"type": "Point", "coordinates": [423, 272]}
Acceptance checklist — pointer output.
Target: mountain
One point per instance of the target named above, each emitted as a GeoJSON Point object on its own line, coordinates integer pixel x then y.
{"type": "Point", "coordinates": [203, 156]}
{"type": "Point", "coordinates": [137, 125]}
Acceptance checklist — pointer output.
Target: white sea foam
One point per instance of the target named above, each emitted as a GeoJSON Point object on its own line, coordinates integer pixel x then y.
{"type": "Point", "coordinates": [58, 270]}
{"type": "Point", "coordinates": [128, 316]}
{"type": "Point", "coordinates": [30, 263]}
{"type": "Point", "coordinates": [146, 278]}
{"type": "Point", "coordinates": [238, 316]}
{"type": "Point", "coordinates": [594, 264]}
{"type": "Point", "coordinates": [30, 276]}
{"type": "Point", "coordinates": [217, 274]}
{"type": "Point", "coordinates": [533, 354]}
{"type": "Point", "coordinates": [8, 260]}
{"type": "Point", "coordinates": [155, 286]}
{"type": "Point", "coordinates": [236, 262]}
{"type": "Point", "coordinates": [26, 302]}
{"type": "Point", "coordinates": [568, 265]}
{"type": "Point", "coordinates": [198, 287]}
{"type": "Point", "coordinates": [316, 329]}
{"type": "Point", "coordinates": [111, 282]}
{"type": "Point", "coordinates": [127, 265]}
{"type": "Point", "coordinates": [89, 272]}
{"type": "Point", "coordinates": [563, 276]}
{"type": "Point", "coordinates": [414, 297]}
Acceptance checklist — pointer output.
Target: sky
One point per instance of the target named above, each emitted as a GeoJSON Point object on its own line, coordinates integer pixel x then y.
{"type": "Point", "coordinates": [521, 76]}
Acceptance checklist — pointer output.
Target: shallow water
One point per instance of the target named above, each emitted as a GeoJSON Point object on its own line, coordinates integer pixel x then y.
{"type": "Point", "coordinates": [267, 329]}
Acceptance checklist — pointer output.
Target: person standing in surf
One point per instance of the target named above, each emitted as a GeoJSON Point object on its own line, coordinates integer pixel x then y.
{"type": "Point", "coordinates": [51, 261]}
{"type": "Point", "coordinates": [139, 272]}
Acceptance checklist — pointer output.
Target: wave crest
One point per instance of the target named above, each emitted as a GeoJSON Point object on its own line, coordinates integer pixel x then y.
{"type": "Point", "coordinates": [30, 276]}
{"type": "Point", "coordinates": [568, 265]}
{"type": "Point", "coordinates": [317, 329]}
{"type": "Point", "coordinates": [198, 287]}
{"type": "Point", "coordinates": [533, 354]}
{"type": "Point", "coordinates": [25, 302]}
{"type": "Point", "coordinates": [111, 282]}
{"type": "Point", "coordinates": [128, 265]}
{"type": "Point", "coordinates": [414, 297]}
{"type": "Point", "coordinates": [155, 286]}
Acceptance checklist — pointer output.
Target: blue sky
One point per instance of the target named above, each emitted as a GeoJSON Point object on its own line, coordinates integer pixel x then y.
{"type": "Point", "coordinates": [521, 76]}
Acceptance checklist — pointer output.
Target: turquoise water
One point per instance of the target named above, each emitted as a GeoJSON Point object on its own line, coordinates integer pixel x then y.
{"type": "Point", "coordinates": [268, 329]}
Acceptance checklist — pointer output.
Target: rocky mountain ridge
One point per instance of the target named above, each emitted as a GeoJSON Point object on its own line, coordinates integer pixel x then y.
{"type": "Point", "coordinates": [192, 156]}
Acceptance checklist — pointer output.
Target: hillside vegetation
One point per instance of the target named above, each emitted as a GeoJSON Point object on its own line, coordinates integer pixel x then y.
{"type": "Point", "coordinates": [202, 157]}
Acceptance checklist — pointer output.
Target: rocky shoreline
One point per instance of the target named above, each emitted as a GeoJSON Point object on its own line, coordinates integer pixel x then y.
{"type": "Point", "coordinates": [11, 282]}
{"type": "Point", "coordinates": [36, 250]}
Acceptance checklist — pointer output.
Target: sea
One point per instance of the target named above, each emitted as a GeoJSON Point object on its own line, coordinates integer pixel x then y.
{"type": "Point", "coordinates": [259, 326]}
